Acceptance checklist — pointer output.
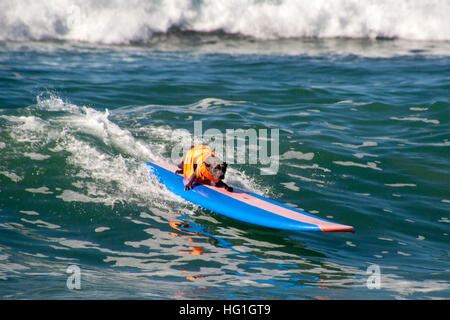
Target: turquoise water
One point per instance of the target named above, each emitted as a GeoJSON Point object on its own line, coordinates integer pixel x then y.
{"type": "Point", "coordinates": [364, 141]}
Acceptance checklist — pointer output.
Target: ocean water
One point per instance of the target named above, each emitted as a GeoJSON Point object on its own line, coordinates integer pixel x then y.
{"type": "Point", "coordinates": [91, 90]}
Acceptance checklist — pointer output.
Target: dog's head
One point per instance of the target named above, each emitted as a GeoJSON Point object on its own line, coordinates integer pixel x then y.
{"type": "Point", "coordinates": [216, 167]}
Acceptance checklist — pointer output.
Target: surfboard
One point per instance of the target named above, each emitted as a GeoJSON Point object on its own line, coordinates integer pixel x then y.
{"type": "Point", "coordinates": [243, 206]}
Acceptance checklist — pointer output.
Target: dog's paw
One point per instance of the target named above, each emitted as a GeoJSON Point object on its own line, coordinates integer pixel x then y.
{"type": "Point", "coordinates": [188, 187]}
{"type": "Point", "coordinates": [229, 189]}
{"type": "Point", "coordinates": [179, 171]}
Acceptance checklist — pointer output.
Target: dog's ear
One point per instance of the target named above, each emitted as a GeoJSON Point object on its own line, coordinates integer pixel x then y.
{"type": "Point", "coordinates": [207, 164]}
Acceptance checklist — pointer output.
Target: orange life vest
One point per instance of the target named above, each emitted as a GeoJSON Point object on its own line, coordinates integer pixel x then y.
{"type": "Point", "coordinates": [197, 155]}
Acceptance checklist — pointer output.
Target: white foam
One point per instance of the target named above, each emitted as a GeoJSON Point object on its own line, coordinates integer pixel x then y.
{"type": "Point", "coordinates": [433, 121]}
{"type": "Point", "coordinates": [51, 102]}
{"type": "Point", "coordinates": [42, 190]}
{"type": "Point", "coordinates": [11, 175]}
{"type": "Point", "coordinates": [400, 185]}
{"type": "Point", "coordinates": [362, 194]}
{"type": "Point", "coordinates": [26, 129]}
{"type": "Point", "coordinates": [350, 244]}
{"type": "Point", "coordinates": [444, 220]}
{"type": "Point", "coordinates": [242, 180]}
{"type": "Point", "coordinates": [313, 166]}
{"type": "Point", "coordinates": [361, 155]}
{"type": "Point", "coordinates": [333, 126]}
{"type": "Point", "coordinates": [123, 22]}
{"type": "Point", "coordinates": [70, 196]}
{"type": "Point", "coordinates": [404, 287]}
{"type": "Point", "coordinates": [88, 140]}
{"type": "Point", "coordinates": [41, 223]}
{"type": "Point", "coordinates": [445, 143]}
{"type": "Point", "coordinates": [36, 156]}
{"type": "Point", "coordinates": [386, 239]}
{"type": "Point", "coordinates": [209, 103]}
{"type": "Point", "coordinates": [353, 146]}
{"type": "Point", "coordinates": [371, 165]}
{"type": "Point", "coordinates": [297, 155]}
{"type": "Point", "coordinates": [98, 171]}
{"type": "Point", "coordinates": [27, 123]}
{"type": "Point", "coordinates": [305, 178]}
{"type": "Point", "coordinates": [97, 124]}
{"type": "Point", "coordinates": [30, 213]}
{"type": "Point", "coordinates": [291, 186]}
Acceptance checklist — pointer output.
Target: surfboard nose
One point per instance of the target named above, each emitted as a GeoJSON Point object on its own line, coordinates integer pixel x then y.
{"type": "Point", "coordinates": [337, 228]}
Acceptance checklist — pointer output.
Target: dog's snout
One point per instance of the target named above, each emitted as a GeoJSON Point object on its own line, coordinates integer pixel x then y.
{"type": "Point", "coordinates": [222, 177]}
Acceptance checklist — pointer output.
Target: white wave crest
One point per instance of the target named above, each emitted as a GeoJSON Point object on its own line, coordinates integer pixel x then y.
{"type": "Point", "coordinates": [104, 162]}
{"type": "Point", "coordinates": [124, 22]}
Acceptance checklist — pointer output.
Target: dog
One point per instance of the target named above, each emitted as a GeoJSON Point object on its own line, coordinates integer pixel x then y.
{"type": "Point", "coordinates": [200, 164]}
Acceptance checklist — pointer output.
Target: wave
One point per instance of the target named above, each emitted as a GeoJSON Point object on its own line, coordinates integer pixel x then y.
{"type": "Point", "coordinates": [138, 21]}
{"type": "Point", "coordinates": [103, 162]}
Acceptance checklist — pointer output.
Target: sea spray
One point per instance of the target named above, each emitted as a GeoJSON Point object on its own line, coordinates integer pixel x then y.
{"type": "Point", "coordinates": [125, 22]}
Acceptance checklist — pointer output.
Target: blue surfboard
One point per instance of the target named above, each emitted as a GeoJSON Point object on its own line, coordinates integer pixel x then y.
{"type": "Point", "coordinates": [243, 206]}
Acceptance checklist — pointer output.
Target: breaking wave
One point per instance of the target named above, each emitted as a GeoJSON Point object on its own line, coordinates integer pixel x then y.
{"type": "Point", "coordinates": [138, 21]}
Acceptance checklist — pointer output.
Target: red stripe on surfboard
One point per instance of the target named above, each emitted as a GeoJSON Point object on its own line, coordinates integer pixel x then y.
{"type": "Point", "coordinates": [273, 208]}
